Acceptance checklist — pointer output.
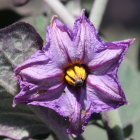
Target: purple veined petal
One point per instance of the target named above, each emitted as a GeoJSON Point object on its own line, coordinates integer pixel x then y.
{"type": "Point", "coordinates": [127, 42]}
{"type": "Point", "coordinates": [109, 58]}
{"type": "Point", "coordinates": [39, 70]}
{"type": "Point", "coordinates": [99, 104]}
{"type": "Point", "coordinates": [65, 104]}
{"type": "Point", "coordinates": [61, 99]}
{"type": "Point", "coordinates": [105, 92]}
{"type": "Point", "coordinates": [86, 39]}
{"type": "Point", "coordinates": [38, 94]}
{"type": "Point", "coordinates": [59, 42]}
{"type": "Point", "coordinates": [86, 107]}
{"type": "Point", "coordinates": [80, 113]}
{"type": "Point", "coordinates": [77, 119]}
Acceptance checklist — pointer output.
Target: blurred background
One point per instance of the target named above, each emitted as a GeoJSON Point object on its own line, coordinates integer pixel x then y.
{"type": "Point", "coordinates": [121, 20]}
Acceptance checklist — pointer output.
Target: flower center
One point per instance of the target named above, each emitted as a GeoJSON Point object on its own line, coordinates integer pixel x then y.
{"type": "Point", "coordinates": [75, 75]}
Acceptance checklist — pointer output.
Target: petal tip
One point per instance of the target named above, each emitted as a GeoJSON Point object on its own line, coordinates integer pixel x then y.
{"type": "Point", "coordinates": [83, 16]}
{"type": "Point", "coordinates": [126, 102]}
{"type": "Point", "coordinates": [54, 18]}
{"type": "Point", "coordinates": [83, 12]}
{"type": "Point", "coordinates": [14, 104]}
{"type": "Point", "coordinates": [132, 41]}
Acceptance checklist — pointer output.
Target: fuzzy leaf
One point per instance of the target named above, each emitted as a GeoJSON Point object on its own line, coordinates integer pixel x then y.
{"type": "Point", "coordinates": [17, 43]}
{"type": "Point", "coordinates": [130, 81]}
{"type": "Point", "coordinates": [18, 123]}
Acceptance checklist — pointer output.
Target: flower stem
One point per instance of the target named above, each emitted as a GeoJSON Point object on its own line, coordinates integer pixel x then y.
{"type": "Point", "coordinates": [97, 12]}
{"type": "Point", "coordinates": [112, 122]}
{"type": "Point", "coordinates": [58, 8]}
{"type": "Point", "coordinates": [76, 5]}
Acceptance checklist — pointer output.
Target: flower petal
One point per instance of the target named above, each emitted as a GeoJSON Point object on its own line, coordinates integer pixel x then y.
{"type": "Point", "coordinates": [36, 75]}
{"type": "Point", "coordinates": [59, 42]}
{"type": "Point", "coordinates": [39, 70]}
{"type": "Point", "coordinates": [105, 92]}
{"type": "Point", "coordinates": [65, 103]}
{"type": "Point", "coordinates": [76, 108]}
{"type": "Point", "coordinates": [38, 94]}
{"type": "Point", "coordinates": [109, 58]}
{"type": "Point", "coordinates": [61, 99]}
{"type": "Point", "coordinates": [86, 39]}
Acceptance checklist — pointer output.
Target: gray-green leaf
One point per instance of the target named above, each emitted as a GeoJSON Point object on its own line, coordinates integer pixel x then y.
{"type": "Point", "coordinates": [18, 123]}
{"type": "Point", "coordinates": [17, 43]}
{"type": "Point", "coordinates": [130, 80]}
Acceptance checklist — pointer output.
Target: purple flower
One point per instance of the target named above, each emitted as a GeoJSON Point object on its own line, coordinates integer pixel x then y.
{"type": "Point", "coordinates": [75, 74]}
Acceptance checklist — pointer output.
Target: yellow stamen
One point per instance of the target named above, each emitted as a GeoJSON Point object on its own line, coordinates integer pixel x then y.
{"type": "Point", "coordinates": [76, 75]}
{"type": "Point", "coordinates": [70, 72]}
{"type": "Point", "coordinates": [80, 71]}
{"type": "Point", "coordinates": [69, 80]}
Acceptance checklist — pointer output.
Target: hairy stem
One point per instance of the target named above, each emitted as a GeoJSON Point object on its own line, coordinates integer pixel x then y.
{"type": "Point", "coordinates": [80, 137]}
{"type": "Point", "coordinates": [59, 9]}
{"type": "Point", "coordinates": [98, 125]}
{"type": "Point", "coordinates": [76, 5]}
{"type": "Point", "coordinates": [97, 12]}
{"type": "Point", "coordinates": [112, 122]}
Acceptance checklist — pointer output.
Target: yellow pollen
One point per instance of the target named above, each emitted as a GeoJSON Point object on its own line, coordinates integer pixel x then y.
{"type": "Point", "coordinates": [76, 75]}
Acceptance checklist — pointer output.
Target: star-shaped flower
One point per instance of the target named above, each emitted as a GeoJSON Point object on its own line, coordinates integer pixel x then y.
{"type": "Point", "coordinates": [75, 74]}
